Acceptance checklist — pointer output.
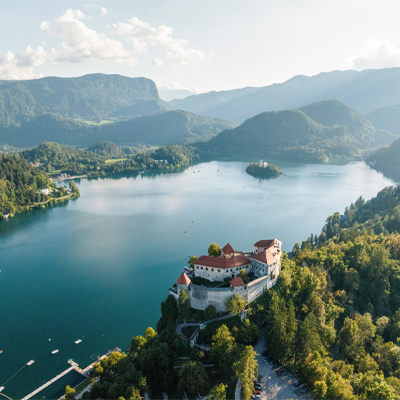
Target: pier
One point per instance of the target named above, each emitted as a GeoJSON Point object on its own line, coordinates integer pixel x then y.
{"type": "Point", "coordinates": [49, 383]}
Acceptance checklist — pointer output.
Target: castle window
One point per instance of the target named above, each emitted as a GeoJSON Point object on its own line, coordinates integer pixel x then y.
{"type": "Point", "coordinates": [206, 269]}
{"type": "Point", "coordinates": [197, 267]}
{"type": "Point", "coordinates": [219, 271]}
{"type": "Point", "coordinates": [212, 269]}
{"type": "Point", "coordinates": [201, 267]}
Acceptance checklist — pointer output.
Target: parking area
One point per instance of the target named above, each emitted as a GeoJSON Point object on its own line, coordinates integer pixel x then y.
{"type": "Point", "coordinates": [275, 387]}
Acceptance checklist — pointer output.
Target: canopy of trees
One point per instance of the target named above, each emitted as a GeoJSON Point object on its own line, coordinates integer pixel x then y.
{"type": "Point", "coordinates": [19, 182]}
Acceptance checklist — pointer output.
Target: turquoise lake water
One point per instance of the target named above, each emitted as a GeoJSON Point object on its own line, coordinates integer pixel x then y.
{"type": "Point", "coordinates": [97, 268]}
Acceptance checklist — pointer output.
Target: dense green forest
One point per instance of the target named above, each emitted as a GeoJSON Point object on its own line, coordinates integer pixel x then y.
{"type": "Point", "coordinates": [178, 127]}
{"type": "Point", "coordinates": [333, 319]}
{"type": "Point", "coordinates": [387, 160]}
{"type": "Point", "coordinates": [106, 158]}
{"type": "Point", "coordinates": [270, 171]}
{"type": "Point", "coordinates": [19, 183]}
{"type": "Point", "coordinates": [294, 135]}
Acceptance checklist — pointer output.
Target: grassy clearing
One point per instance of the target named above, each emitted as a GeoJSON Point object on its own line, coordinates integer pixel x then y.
{"type": "Point", "coordinates": [113, 161]}
{"type": "Point", "coordinates": [82, 385]}
{"type": "Point", "coordinates": [189, 330]}
{"type": "Point", "coordinates": [101, 122]}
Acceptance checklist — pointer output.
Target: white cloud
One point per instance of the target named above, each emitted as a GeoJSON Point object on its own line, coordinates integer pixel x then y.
{"type": "Point", "coordinates": [81, 44]}
{"type": "Point", "coordinates": [377, 54]}
{"type": "Point", "coordinates": [103, 11]}
{"type": "Point", "coordinates": [178, 86]}
{"type": "Point", "coordinates": [20, 65]}
{"type": "Point", "coordinates": [158, 62]}
{"type": "Point", "coordinates": [141, 35]}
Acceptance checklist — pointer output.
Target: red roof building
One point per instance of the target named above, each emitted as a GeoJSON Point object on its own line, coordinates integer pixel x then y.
{"type": "Point", "coordinates": [183, 279]}
{"type": "Point", "coordinates": [228, 249]}
{"type": "Point", "coordinates": [266, 257]}
{"type": "Point", "coordinates": [222, 262]}
{"type": "Point", "coordinates": [265, 243]}
{"type": "Point", "coordinates": [235, 282]}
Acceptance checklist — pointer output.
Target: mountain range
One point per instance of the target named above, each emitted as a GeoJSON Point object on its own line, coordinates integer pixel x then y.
{"type": "Point", "coordinates": [89, 97]}
{"type": "Point", "coordinates": [364, 91]}
{"type": "Point", "coordinates": [309, 134]}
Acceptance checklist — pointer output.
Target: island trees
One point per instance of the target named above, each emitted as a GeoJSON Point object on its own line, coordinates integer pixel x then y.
{"type": "Point", "coordinates": [269, 171]}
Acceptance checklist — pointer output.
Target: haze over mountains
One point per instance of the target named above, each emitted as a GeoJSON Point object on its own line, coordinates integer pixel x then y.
{"type": "Point", "coordinates": [364, 91]}
{"type": "Point", "coordinates": [178, 127]}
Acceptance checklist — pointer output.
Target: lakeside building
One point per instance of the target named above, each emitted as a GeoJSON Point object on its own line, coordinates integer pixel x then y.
{"type": "Point", "coordinates": [264, 262]}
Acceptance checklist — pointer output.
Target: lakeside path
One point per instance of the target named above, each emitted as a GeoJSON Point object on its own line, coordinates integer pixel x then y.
{"type": "Point", "coordinates": [55, 198]}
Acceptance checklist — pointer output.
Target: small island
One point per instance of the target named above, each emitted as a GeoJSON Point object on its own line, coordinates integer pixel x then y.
{"type": "Point", "coordinates": [263, 170]}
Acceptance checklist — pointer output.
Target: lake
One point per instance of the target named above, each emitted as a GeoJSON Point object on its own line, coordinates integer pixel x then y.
{"type": "Point", "coordinates": [98, 267]}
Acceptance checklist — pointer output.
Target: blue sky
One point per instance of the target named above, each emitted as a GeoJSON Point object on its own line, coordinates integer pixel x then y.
{"type": "Point", "coordinates": [198, 45]}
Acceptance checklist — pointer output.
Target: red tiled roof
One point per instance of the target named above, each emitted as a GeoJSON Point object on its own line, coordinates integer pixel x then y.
{"type": "Point", "coordinates": [222, 262]}
{"type": "Point", "coordinates": [183, 279]}
{"type": "Point", "coordinates": [265, 243]}
{"type": "Point", "coordinates": [228, 249]}
{"type": "Point", "coordinates": [265, 257]}
{"type": "Point", "coordinates": [235, 282]}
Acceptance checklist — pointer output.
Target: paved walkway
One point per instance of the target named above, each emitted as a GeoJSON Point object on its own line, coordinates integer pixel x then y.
{"type": "Point", "coordinates": [180, 326]}
{"type": "Point", "coordinates": [275, 387]}
{"type": "Point", "coordinates": [238, 390]}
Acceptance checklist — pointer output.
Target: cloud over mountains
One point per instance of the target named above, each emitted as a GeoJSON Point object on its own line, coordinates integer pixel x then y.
{"type": "Point", "coordinates": [377, 54]}
{"type": "Point", "coordinates": [76, 42]}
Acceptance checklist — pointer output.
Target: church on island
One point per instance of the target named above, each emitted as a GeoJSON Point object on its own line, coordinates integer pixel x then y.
{"type": "Point", "coordinates": [263, 264]}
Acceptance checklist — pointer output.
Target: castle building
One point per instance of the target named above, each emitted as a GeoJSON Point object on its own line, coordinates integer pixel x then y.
{"type": "Point", "coordinates": [264, 262]}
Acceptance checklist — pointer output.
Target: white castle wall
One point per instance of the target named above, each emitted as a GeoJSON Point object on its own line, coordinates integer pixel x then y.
{"type": "Point", "coordinates": [201, 296]}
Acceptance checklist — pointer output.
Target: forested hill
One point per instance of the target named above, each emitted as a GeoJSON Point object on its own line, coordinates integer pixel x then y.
{"type": "Point", "coordinates": [334, 315]}
{"type": "Point", "coordinates": [293, 135]}
{"type": "Point", "coordinates": [381, 214]}
{"type": "Point", "coordinates": [387, 160]}
{"type": "Point", "coordinates": [364, 91]}
{"type": "Point", "coordinates": [179, 127]}
{"type": "Point", "coordinates": [89, 97]}
{"type": "Point", "coordinates": [386, 118]}
{"type": "Point", "coordinates": [106, 158]}
{"type": "Point", "coordinates": [19, 182]}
